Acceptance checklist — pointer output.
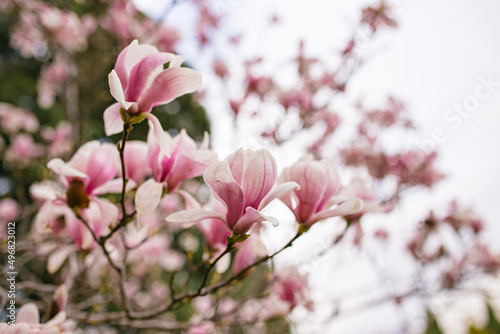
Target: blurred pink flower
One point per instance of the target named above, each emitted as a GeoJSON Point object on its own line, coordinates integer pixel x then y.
{"type": "Point", "coordinates": [58, 139]}
{"type": "Point", "coordinates": [51, 82]}
{"type": "Point", "coordinates": [245, 183]}
{"type": "Point", "coordinates": [320, 190]}
{"type": "Point", "coordinates": [23, 148]}
{"type": "Point", "coordinates": [89, 173]}
{"type": "Point", "coordinates": [291, 287]}
{"type": "Point", "coordinates": [14, 119]}
{"type": "Point", "coordinates": [139, 83]}
{"type": "Point", "coordinates": [9, 210]}
{"type": "Point", "coordinates": [185, 162]}
{"type": "Point", "coordinates": [248, 252]}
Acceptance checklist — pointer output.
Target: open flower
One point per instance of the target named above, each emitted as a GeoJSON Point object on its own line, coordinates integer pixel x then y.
{"type": "Point", "coordinates": [319, 196]}
{"type": "Point", "coordinates": [90, 172]}
{"type": "Point", "coordinates": [244, 184]}
{"type": "Point", "coordinates": [185, 162]}
{"type": "Point", "coordinates": [139, 82]}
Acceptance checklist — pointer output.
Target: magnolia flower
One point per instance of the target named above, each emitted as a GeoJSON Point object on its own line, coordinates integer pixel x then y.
{"type": "Point", "coordinates": [244, 184]}
{"type": "Point", "coordinates": [90, 172]}
{"type": "Point", "coordinates": [320, 190]}
{"type": "Point", "coordinates": [139, 83]}
{"type": "Point", "coordinates": [185, 162]}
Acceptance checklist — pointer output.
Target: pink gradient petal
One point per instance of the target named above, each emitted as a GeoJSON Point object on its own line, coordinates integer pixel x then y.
{"type": "Point", "coordinates": [259, 176]}
{"type": "Point", "coordinates": [237, 164]}
{"type": "Point", "coordinates": [348, 207]}
{"type": "Point", "coordinates": [120, 67]}
{"type": "Point", "coordinates": [101, 166]}
{"type": "Point", "coordinates": [113, 122]}
{"type": "Point", "coordinates": [81, 157]}
{"type": "Point", "coordinates": [313, 182]}
{"type": "Point", "coordinates": [188, 165]}
{"type": "Point", "coordinates": [28, 313]}
{"type": "Point", "coordinates": [135, 156]}
{"type": "Point", "coordinates": [148, 197]}
{"type": "Point", "coordinates": [135, 53]}
{"type": "Point", "coordinates": [225, 188]}
{"type": "Point", "coordinates": [139, 78]}
{"type": "Point", "coordinates": [161, 138]}
{"type": "Point", "coordinates": [193, 216]}
{"type": "Point", "coordinates": [251, 217]}
{"type": "Point", "coordinates": [60, 167]}
{"type": "Point", "coordinates": [168, 85]}
{"type": "Point", "coordinates": [277, 192]}
{"type": "Point", "coordinates": [333, 185]}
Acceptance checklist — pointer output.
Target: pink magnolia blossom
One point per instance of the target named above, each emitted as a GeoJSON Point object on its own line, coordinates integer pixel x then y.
{"type": "Point", "coordinates": [185, 162]}
{"type": "Point", "coordinates": [58, 139]}
{"type": "Point", "coordinates": [9, 210]}
{"type": "Point", "coordinates": [90, 172]}
{"type": "Point", "coordinates": [245, 184]}
{"type": "Point", "coordinates": [291, 287]}
{"type": "Point", "coordinates": [51, 82]}
{"type": "Point", "coordinates": [139, 83]}
{"type": "Point", "coordinates": [320, 190]}
{"type": "Point", "coordinates": [14, 119]}
{"type": "Point", "coordinates": [23, 148]}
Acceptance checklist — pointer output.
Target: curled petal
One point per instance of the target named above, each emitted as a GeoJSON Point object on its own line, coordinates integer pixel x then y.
{"type": "Point", "coordinates": [161, 137]}
{"type": "Point", "coordinates": [277, 192]}
{"type": "Point", "coordinates": [168, 85]}
{"type": "Point", "coordinates": [113, 122]}
{"type": "Point", "coordinates": [60, 167]}
{"type": "Point", "coordinates": [141, 74]}
{"type": "Point", "coordinates": [251, 217]}
{"type": "Point", "coordinates": [348, 207]}
{"type": "Point", "coordinates": [116, 89]}
{"type": "Point", "coordinates": [224, 187]}
{"type": "Point", "coordinates": [148, 197]}
{"type": "Point", "coordinates": [193, 216]}
{"type": "Point", "coordinates": [190, 164]}
{"type": "Point", "coordinates": [57, 320]}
